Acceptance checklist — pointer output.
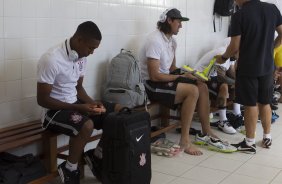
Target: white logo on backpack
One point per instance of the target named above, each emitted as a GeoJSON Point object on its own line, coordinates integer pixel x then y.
{"type": "Point", "coordinates": [142, 161]}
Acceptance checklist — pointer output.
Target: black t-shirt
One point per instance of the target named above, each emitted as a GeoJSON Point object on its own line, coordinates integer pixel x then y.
{"type": "Point", "coordinates": [256, 23]}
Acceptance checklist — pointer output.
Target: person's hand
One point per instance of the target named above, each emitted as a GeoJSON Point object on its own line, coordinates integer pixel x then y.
{"type": "Point", "coordinates": [219, 59]}
{"type": "Point", "coordinates": [91, 109]}
{"type": "Point", "coordinates": [190, 76]}
{"type": "Point", "coordinates": [97, 109]}
{"type": "Point", "coordinates": [98, 103]}
{"type": "Point", "coordinates": [220, 71]}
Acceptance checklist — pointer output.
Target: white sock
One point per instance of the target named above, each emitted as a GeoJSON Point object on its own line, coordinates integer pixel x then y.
{"type": "Point", "coordinates": [250, 141]}
{"type": "Point", "coordinates": [236, 109]}
{"type": "Point", "coordinates": [268, 136]}
{"type": "Point", "coordinates": [222, 115]}
{"type": "Point", "coordinates": [70, 166]}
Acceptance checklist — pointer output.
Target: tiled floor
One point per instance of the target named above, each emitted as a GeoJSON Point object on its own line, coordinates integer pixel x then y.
{"type": "Point", "coordinates": [265, 167]}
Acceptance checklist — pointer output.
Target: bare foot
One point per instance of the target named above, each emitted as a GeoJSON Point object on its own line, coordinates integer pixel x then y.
{"type": "Point", "coordinates": [190, 149]}
{"type": "Point", "coordinates": [210, 133]}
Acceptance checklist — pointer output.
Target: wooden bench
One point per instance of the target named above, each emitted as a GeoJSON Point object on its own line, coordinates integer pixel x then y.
{"type": "Point", "coordinates": [31, 132]}
{"type": "Point", "coordinates": [27, 133]}
{"type": "Point", "coordinates": [21, 135]}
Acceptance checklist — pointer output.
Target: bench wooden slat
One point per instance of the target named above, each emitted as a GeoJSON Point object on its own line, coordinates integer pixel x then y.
{"type": "Point", "coordinates": [22, 142]}
{"type": "Point", "coordinates": [20, 130]}
{"type": "Point", "coordinates": [165, 129]}
{"type": "Point", "coordinates": [19, 126]}
{"type": "Point", "coordinates": [20, 136]}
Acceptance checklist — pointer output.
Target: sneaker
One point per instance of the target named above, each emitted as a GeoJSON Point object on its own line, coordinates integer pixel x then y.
{"type": "Point", "coordinates": [67, 176]}
{"type": "Point", "coordinates": [226, 127]}
{"type": "Point", "coordinates": [236, 121]}
{"type": "Point", "coordinates": [242, 130]}
{"type": "Point", "coordinates": [201, 139]}
{"type": "Point", "coordinates": [276, 94]}
{"type": "Point", "coordinates": [214, 124]}
{"type": "Point", "coordinates": [273, 107]}
{"type": "Point", "coordinates": [94, 163]}
{"type": "Point", "coordinates": [243, 147]}
{"type": "Point", "coordinates": [214, 144]}
{"type": "Point", "coordinates": [275, 116]}
{"type": "Point", "coordinates": [266, 142]}
{"type": "Point", "coordinates": [192, 131]}
{"type": "Point", "coordinates": [165, 147]}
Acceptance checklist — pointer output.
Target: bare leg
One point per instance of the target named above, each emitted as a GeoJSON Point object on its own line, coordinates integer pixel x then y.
{"type": "Point", "coordinates": [222, 95]}
{"type": "Point", "coordinates": [265, 115]}
{"type": "Point", "coordinates": [188, 95]}
{"type": "Point", "coordinates": [203, 108]}
{"type": "Point", "coordinates": [78, 142]}
{"type": "Point", "coordinates": [251, 118]}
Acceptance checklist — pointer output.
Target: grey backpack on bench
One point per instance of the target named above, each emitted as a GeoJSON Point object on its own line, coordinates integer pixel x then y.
{"type": "Point", "coordinates": [124, 83]}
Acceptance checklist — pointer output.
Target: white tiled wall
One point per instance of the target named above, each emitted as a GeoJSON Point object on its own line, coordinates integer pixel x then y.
{"type": "Point", "coordinates": [30, 27]}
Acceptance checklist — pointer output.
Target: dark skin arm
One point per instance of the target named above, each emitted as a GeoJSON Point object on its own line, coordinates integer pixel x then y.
{"type": "Point", "coordinates": [45, 100]}
{"type": "Point", "coordinates": [83, 96]}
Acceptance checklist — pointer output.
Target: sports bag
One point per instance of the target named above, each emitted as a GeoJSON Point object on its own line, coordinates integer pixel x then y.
{"type": "Point", "coordinates": [124, 83]}
{"type": "Point", "coordinates": [20, 169]}
{"type": "Point", "coordinates": [126, 148]}
{"type": "Point", "coordinates": [222, 8]}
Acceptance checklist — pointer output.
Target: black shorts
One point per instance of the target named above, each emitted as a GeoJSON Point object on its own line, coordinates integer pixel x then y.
{"type": "Point", "coordinates": [70, 122]}
{"type": "Point", "coordinates": [164, 92]}
{"type": "Point", "coordinates": [214, 85]}
{"type": "Point", "coordinates": [252, 90]}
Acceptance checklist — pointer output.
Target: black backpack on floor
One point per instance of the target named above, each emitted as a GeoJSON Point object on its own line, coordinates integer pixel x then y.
{"type": "Point", "coordinates": [126, 148]}
{"type": "Point", "coordinates": [20, 169]}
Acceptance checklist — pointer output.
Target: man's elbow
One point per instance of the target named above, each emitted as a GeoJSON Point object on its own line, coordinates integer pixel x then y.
{"type": "Point", "coordinates": [40, 101]}
{"type": "Point", "coordinates": [154, 78]}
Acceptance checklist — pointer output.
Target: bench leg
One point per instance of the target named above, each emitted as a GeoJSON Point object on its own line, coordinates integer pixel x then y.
{"type": "Point", "coordinates": [164, 112]}
{"type": "Point", "coordinates": [50, 153]}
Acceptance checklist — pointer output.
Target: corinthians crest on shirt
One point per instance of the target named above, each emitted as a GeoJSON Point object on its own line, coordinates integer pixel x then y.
{"type": "Point", "coordinates": [80, 65]}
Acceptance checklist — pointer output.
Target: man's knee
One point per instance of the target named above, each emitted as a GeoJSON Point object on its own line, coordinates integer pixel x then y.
{"type": "Point", "coordinates": [203, 87]}
{"type": "Point", "coordinates": [87, 127]}
{"type": "Point", "coordinates": [186, 90]}
{"type": "Point", "coordinates": [192, 91]}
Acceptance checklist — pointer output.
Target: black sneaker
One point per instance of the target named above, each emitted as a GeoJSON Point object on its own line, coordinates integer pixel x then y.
{"type": "Point", "coordinates": [243, 147]}
{"type": "Point", "coordinates": [273, 107]}
{"type": "Point", "coordinates": [192, 131]}
{"type": "Point", "coordinates": [266, 142]}
{"type": "Point", "coordinates": [67, 176]}
{"type": "Point", "coordinates": [236, 121]}
{"type": "Point", "coordinates": [94, 163]}
{"type": "Point", "coordinates": [214, 124]}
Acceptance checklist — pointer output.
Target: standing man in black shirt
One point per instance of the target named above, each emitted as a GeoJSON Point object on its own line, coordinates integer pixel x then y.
{"type": "Point", "coordinates": [252, 33]}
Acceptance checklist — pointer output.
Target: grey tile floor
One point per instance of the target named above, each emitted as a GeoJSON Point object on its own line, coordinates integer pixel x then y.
{"type": "Point", "coordinates": [265, 167]}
